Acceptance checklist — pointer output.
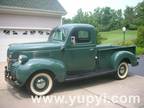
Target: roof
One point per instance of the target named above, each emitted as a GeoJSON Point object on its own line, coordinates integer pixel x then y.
{"type": "Point", "coordinates": [75, 25]}
{"type": "Point", "coordinates": [43, 5]}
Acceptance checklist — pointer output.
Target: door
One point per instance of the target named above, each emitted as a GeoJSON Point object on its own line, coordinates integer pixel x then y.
{"type": "Point", "coordinates": [81, 56]}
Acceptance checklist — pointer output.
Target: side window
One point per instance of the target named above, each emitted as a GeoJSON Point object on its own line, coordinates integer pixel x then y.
{"type": "Point", "coordinates": [83, 36]}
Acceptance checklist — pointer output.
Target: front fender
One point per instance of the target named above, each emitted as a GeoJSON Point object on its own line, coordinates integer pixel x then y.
{"type": "Point", "coordinates": [34, 65]}
{"type": "Point", "coordinates": [123, 55]}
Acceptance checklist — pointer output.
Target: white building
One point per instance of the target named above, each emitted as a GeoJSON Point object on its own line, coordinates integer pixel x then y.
{"type": "Point", "coordinates": [29, 17]}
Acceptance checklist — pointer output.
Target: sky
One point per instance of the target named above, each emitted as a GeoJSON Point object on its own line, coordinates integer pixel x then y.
{"type": "Point", "coordinates": [71, 6]}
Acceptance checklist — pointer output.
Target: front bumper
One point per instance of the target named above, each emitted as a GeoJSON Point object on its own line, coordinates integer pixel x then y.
{"type": "Point", "coordinates": [10, 79]}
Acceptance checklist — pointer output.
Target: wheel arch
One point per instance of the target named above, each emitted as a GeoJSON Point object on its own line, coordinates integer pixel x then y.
{"type": "Point", "coordinates": [33, 66]}
{"type": "Point", "coordinates": [122, 56]}
{"type": "Point", "coordinates": [127, 60]}
{"type": "Point", "coordinates": [41, 71]}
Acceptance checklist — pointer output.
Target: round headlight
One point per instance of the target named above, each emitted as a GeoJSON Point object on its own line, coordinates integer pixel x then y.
{"type": "Point", "coordinates": [22, 59]}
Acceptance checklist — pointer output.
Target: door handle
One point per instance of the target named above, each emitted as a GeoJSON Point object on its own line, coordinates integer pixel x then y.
{"type": "Point", "coordinates": [96, 57]}
{"type": "Point", "coordinates": [92, 49]}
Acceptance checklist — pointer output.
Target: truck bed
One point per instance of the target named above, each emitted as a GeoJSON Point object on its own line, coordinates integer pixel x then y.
{"type": "Point", "coordinates": [104, 54]}
{"type": "Point", "coordinates": [103, 48]}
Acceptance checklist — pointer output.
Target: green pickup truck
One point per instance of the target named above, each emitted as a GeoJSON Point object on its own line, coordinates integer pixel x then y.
{"type": "Point", "coordinates": [71, 53]}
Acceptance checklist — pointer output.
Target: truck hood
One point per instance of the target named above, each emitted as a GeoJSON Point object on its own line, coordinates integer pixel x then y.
{"type": "Point", "coordinates": [34, 46]}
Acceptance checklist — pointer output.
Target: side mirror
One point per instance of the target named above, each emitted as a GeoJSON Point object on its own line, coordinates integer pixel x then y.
{"type": "Point", "coordinates": [73, 41]}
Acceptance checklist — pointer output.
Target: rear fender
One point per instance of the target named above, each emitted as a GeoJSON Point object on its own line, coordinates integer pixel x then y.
{"type": "Point", "coordinates": [121, 56]}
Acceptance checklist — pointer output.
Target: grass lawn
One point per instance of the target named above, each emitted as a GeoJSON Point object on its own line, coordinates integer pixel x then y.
{"type": "Point", "coordinates": [116, 36]}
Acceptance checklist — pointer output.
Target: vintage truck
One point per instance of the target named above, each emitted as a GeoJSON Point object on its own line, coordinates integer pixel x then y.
{"type": "Point", "coordinates": [70, 53]}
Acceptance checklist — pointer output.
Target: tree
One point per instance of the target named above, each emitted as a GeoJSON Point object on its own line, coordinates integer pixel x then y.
{"type": "Point", "coordinates": [140, 13]}
{"type": "Point", "coordinates": [129, 18]}
{"type": "Point", "coordinates": [118, 19]}
{"type": "Point", "coordinates": [140, 37]}
{"type": "Point", "coordinates": [79, 18]}
{"type": "Point", "coordinates": [104, 19]}
{"type": "Point", "coordinates": [66, 20]}
{"type": "Point", "coordinates": [108, 19]}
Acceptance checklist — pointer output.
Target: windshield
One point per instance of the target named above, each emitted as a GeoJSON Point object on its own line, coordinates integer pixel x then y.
{"type": "Point", "coordinates": [58, 34]}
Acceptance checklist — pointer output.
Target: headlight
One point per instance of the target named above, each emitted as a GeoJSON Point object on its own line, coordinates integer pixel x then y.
{"type": "Point", "coordinates": [22, 59]}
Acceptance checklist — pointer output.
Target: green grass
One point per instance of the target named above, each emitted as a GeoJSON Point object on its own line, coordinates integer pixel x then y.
{"type": "Point", "coordinates": [116, 36]}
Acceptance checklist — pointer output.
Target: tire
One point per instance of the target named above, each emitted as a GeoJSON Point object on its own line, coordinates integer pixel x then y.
{"type": "Point", "coordinates": [40, 84]}
{"type": "Point", "coordinates": [122, 71]}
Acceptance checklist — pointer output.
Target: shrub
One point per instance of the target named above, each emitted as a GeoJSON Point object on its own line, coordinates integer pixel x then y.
{"type": "Point", "coordinates": [127, 43]}
{"type": "Point", "coordinates": [132, 27]}
{"type": "Point", "coordinates": [140, 37]}
{"type": "Point", "coordinates": [98, 37]}
{"type": "Point", "coordinates": [139, 51]}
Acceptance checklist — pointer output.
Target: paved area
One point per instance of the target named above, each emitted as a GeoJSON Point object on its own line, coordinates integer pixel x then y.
{"type": "Point", "coordinates": [98, 86]}
{"type": "Point", "coordinates": [102, 87]}
{"type": "Point", "coordinates": [138, 70]}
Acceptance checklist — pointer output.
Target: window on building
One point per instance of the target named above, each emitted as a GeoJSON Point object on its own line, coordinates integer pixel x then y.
{"type": "Point", "coordinates": [32, 32]}
{"type": "Point", "coordinates": [40, 32]}
{"type": "Point", "coordinates": [47, 33]}
{"type": "Point", "coordinates": [15, 33]}
{"type": "Point", "coordinates": [25, 33]}
{"type": "Point", "coordinates": [7, 32]}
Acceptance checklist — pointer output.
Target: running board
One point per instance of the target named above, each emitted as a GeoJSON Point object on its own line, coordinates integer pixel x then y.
{"type": "Point", "coordinates": [86, 75]}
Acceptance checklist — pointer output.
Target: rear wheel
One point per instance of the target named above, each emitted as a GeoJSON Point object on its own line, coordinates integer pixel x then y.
{"type": "Point", "coordinates": [122, 71]}
{"type": "Point", "coordinates": [40, 84]}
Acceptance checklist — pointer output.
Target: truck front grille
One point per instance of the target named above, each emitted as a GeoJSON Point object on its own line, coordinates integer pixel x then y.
{"type": "Point", "coordinates": [11, 61]}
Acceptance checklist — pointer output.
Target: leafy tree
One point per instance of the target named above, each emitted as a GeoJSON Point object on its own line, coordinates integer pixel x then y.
{"type": "Point", "coordinates": [118, 19]}
{"type": "Point", "coordinates": [104, 19]}
{"type": "Point", "coordinates": [130, 16]}
{"type": "Point", "coordinates": [140, 37]}
{"type": "Point", "coordinates": [66, 20]}
{"type": "Point", "coordinates": [140, 13]}
{"type": "Point", "coordinates": [108, 19]}
{"type": "Point", "coordinates": [79, 18]}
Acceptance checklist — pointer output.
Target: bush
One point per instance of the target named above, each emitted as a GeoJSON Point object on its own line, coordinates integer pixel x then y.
{"type": "Point", "coordinates": [140, 37]}
{"type": "Point", "coordinates": [98, 37]}
{"type": "Point", "coordinates": [127, 43]}
{"type": "Point", "coordinates": [139, 51]}
{"type": "Point", "coordinates": [132, 27]}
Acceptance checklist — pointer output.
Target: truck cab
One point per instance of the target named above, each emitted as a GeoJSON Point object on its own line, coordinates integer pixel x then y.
{"type": "Point", "coordinates": [71, 53]}
{"type": "Point", "coordinates": [80, 49]}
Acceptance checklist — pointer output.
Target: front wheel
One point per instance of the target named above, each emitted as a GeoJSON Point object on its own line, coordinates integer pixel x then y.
{"type": "Point", "coordinates": [122, 71]}
{"type": "Point", "coordinates": [40, 84]}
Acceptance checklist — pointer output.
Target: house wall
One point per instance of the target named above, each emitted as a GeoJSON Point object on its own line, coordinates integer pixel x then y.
{"type": "Point", "coordinates": [17, 25]}
{"type": "Point", "coordinates": [7, 20]}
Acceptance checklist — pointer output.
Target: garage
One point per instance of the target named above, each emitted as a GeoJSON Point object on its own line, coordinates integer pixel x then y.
{"type": "Point", "coordinates": [29, 17]}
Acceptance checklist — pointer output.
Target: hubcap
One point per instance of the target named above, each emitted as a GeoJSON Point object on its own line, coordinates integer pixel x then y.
{"type": "Point", "coordinates": [122, 70]}
{"type": "Point", "coordinates": [41, 83]}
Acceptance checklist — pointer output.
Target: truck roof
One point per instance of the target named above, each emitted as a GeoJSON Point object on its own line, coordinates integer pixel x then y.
{"type": "Point", "coordinates": [75, 25]}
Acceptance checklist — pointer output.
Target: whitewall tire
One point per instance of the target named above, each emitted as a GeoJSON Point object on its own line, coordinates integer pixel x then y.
{"type": "Point", "coordinates": [40, 84]}
{"type": "Point", "coordinates": [122, 70]}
